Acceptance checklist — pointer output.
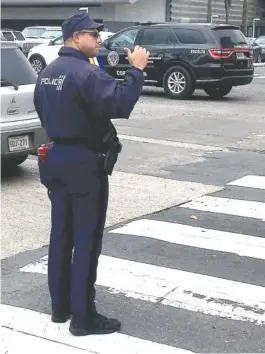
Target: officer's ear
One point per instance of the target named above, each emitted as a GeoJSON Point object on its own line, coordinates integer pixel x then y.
{"type": "Point", "coordinates": [75, 37]}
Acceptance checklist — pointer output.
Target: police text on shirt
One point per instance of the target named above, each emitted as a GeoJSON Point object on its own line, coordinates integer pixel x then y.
{"type": "Point", "coordinates": [58, 82]}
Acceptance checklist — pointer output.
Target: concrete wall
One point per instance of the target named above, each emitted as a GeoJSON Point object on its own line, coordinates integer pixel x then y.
{"type": "Point", "coordinates": [106, 12]}
{"type": "Point", "coordinates": [116, 16]}
{"type": "Point", "coordinates": [142, 10]}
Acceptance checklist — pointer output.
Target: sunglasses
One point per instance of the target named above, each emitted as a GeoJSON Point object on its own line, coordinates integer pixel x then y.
{"type": "Point", "coordinates": [94, 34]}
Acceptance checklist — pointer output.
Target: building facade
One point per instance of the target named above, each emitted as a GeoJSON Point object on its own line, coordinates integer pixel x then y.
{"type": "Point", "coordinates": [121, 13]}
{"type": "Point", "coordinates": [116, 14]}
{"type": "Point", "coordinates": [196, 11]}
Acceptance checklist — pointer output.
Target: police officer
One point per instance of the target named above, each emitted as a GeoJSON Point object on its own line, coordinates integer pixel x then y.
{"type": "Point", "coordinates": [75, 101]}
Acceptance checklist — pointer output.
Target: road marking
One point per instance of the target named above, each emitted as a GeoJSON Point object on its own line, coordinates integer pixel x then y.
{"type": "Point", "coordinates": [172, 143]}
{"type": "Point", "coordinates": [13, 341]}
{"type": "Point", "coordinates": [39, 325]}
{"type": "Point", "coordinates": [242, 245]}
{"type": "Point", "coordinates": [259, 76]}
{"type": "Point", "coordinates": [250, 181]}
{"type": "Point", "coordinates": [228, 206]}
{"type": "Point", "coordinates": [185, 290]}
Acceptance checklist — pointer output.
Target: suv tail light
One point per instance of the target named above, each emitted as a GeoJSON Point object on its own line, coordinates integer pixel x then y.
{"type": "Point", "coordinates": [220, 53]}
{"type": "Point", "coordinates": [225, 53]}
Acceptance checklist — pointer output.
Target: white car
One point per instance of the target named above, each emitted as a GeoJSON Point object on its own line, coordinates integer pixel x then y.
{"type": "Point", "coordinates": [42, 55]}
{"type": "Point", "coordinates": [36, 35]}
{"type": "Point", "coordinates": [13, 36]}
{"type": "Point", "coordinates": [21, 131]}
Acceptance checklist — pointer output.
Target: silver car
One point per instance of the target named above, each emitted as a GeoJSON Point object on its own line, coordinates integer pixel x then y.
{"type": "Point", "coordinates": [21, 131]}
{"type": "Point", "coordinates": [17, 37]}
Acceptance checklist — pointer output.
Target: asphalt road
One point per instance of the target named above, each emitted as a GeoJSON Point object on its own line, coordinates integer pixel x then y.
{"type": "Point", "coordinates": [167, 284]}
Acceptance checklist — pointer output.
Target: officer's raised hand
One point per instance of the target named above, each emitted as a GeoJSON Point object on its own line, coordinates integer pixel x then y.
{"type": "Point", "coordinates": [139, 57]}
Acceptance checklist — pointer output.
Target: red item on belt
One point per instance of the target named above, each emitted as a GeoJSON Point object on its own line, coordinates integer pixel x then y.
{"type": "Point", "coordinates": [42, 152]}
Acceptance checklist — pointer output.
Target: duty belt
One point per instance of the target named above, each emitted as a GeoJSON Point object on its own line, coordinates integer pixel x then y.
{"type": "Point", "coordinates": [82, 142]}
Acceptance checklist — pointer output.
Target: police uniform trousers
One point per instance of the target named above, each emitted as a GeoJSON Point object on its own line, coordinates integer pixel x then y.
{"type": "Point", "coordinates": [78, 190]}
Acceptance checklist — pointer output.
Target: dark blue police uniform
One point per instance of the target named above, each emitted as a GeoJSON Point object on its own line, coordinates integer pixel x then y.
{"type": "Point", "coordinates": [75, 101]}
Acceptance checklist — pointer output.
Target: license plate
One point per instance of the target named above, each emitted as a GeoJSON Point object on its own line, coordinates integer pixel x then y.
{"type": "Point", "coordinates": [18, 143]}
{"type": "Point", "coordinates": [240, 55]}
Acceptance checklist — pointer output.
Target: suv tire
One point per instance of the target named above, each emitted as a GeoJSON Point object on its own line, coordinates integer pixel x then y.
{"type": "Point", "coordinates": [218, 91]}
{"type": "Point", "coordinates": [178, 83]}
{"type": "Point", "coordinates": [14, 161]}
{"type": "Point", "coordinates": [37, 63]}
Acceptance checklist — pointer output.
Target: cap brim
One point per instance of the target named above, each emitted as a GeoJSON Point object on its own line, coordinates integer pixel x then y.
{"type": "Point", "coordinates": [98, 26]}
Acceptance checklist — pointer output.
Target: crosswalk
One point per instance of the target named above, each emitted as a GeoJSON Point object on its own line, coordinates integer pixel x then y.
{"type": "Point", "coordinates": [183, 259]}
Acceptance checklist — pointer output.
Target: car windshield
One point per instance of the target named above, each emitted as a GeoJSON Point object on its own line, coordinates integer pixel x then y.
{"type": "Point", "coordinates": [260, 40]}
{"type": "Point", "coordinates": [51, 34]}
{"type": "Point", "coordinates": [33, 32]}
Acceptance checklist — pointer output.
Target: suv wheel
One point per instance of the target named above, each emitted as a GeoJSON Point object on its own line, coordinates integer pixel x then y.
{"type": "Point", "coordinates": [14, 161]}
{"type": "Point", "coordinates": [178, 83]}
{"type": "Point", "coordinates": [37, 63]}
{"type": "Point", "coordinates": [218, 91]}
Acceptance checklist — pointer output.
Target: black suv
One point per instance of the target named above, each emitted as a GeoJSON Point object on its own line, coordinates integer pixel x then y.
{"type": "Point", "coordinates": [184, 57]}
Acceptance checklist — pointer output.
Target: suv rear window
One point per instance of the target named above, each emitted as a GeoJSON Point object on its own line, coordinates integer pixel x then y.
{"type": "Point", "coordinates": [189, 36]}
{"type": "Point", "coordinates": [15, 68]}
{"type": "Point", "coordinates": [19, 36]}
{"type": "Point", "coordinates": [230, 38]}
{"type": "Point", "coordinates": [8, 36]}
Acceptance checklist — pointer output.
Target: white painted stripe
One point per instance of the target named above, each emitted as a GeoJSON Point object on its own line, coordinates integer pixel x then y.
{"type": "Point", "coordinates": [194, 292]}
{"type": "Point", "coordinates": [259, 77]}
{"type": "Point", "coordinates": [177, 144]}
{"type": "Point", "coordinates": [13, 342]}
{"type": "Point", "coordinates": [242, 245]}
{"type": "Point", "coordinates": [228, 206]}
{"type": "Point", "coordinates": [250, 181]}
{"type": "Point", "coordinates": [40, 325]}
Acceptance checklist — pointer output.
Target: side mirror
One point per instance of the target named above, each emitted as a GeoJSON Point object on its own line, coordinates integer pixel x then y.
{"type": "Point", "coordinates": [107, 43]}
{"type": "Point", "coordinates": [51, 42]}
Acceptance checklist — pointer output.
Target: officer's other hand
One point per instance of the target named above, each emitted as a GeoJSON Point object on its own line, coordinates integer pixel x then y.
{"type": "Point", "coordinates": [139, 57]}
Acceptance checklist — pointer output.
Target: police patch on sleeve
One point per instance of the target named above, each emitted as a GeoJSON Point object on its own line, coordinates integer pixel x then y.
{"type": "Point", "coordinates": [113, 58]}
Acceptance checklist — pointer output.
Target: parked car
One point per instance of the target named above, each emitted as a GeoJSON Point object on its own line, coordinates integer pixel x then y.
{"type": "Point", "coordinates": [24, 43]}
{"type": "Point", "coordinates": [184, 57]}
{"type": "Point", "coordinates": [251, 39]}
{"type": "Point", "coordinates": [260, 42]}
{"type": "Point", "coordinates": [38, 31]}
{"type": "Point", "coordinates": [3, 38]}
{"type": "Point", "coordinates": [44, 54]}
{"type": "Point", "coordinates": [257, 51]}
{"type": "Point", "coordinates": [36, 35]}
{"type": "Point", "coordinates": [14, 36]}
{"type": "Point", "coordinates": [21, 131]}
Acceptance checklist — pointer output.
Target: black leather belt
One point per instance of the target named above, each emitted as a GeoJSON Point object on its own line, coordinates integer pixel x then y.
{"type": "Point", "coordinates": [82, 142]}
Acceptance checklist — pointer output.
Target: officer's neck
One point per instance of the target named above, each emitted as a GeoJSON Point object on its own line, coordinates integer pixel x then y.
{"type": "Point", "coordinates": [73, 51]}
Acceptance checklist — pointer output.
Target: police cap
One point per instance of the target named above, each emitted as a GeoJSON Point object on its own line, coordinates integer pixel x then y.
{"type": "Point", "coordinates": [77, 23]}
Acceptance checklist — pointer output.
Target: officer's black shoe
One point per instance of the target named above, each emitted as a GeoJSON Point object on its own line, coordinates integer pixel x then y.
{"type": "Point", "coordinates": [96, 324]}
{"type": "Point", "coordinates": [58, 317]}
